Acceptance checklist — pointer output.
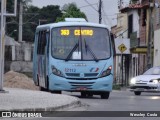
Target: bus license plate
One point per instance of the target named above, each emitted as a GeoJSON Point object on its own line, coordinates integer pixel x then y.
{"type": "Point", "coordinates": [81, 88]}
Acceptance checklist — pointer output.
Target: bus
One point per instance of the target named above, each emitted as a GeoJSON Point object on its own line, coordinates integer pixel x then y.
{"type": "Point", "coordinates": [74, 55]}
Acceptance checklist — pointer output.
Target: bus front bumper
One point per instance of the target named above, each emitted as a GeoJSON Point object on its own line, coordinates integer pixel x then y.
{"type": "Point", "coordinates": [64, 84]}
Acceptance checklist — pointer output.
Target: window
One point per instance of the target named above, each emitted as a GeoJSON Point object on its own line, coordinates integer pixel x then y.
{"type": "Point", "coordinates": [41, 42]}
{"type": "Point", "coordinates": [83, 43]}
{"type": "Point", "coordinates": [144, 17]}
{"type": "Point", "coordinates": [130, 25]}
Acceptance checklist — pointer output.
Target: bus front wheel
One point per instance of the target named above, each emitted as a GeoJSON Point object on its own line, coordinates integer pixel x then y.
{"type": "Point", "coordinates": [137, 93]}
{"type": "Point", "coordinates": [83, 94]}
{"type": "Point", "coordinates": [105, 95]}
{"type": "Point", "coordinates": [56, 92]}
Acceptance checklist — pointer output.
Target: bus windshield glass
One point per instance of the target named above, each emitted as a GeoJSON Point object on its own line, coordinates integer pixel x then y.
{"type": "Point", "coordinates": [80, 43]}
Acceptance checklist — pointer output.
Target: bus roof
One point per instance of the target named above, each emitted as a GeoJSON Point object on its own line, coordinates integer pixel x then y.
{"type": "Point", "coordinates": [71, 23]}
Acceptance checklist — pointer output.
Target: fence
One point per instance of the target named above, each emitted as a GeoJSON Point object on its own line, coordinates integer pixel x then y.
{"type": "Point", "coordinates": [19, 58]}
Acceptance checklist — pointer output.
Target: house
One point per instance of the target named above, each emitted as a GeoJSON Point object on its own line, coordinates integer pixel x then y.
{"type": "Point", "coordinates": [139, 34]}
{"type": "Point", "coordinates": [121, 60]}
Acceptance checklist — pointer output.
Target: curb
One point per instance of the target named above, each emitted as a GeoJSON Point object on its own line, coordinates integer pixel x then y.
{"type": "Point", "coordinates": [57, 108]}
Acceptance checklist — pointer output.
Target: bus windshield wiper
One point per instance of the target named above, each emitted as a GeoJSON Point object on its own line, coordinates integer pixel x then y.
{"type": "Point", "coordinates": [70, 54]}
{"type": "Point", "coordinates": [90, 50]}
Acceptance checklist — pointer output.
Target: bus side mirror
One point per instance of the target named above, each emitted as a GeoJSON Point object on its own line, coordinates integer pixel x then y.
{"type": "Point", "coordinates": [113, 44]}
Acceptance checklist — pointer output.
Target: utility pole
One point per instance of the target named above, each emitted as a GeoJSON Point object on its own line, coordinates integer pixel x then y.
{"type": "Point", "coordinates": [149, 46]}
{"type": "Point", "coordinates": [3, 15]}
{"type": "Point", "coordinates": [3, 18]}
{"type": "Point", "coordinates": [20, 21]}
{"type": "Point", "coordinates": [100, 11]}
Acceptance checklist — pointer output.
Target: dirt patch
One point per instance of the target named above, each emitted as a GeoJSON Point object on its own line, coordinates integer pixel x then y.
{"type": "Point", "coordinates": [17, 80]}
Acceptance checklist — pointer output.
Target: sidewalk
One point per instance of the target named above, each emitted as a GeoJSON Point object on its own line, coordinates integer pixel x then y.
{"type": "Point", "coordinates": [28, 100]}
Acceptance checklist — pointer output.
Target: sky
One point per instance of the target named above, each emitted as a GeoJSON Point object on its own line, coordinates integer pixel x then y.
{"type": "Point", "coordinates": [109, 10]}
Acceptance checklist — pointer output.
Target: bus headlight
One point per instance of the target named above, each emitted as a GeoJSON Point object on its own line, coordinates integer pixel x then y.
{"type": "Point", "coordinates": [57, 72]}
{"type": "Point", "coordinates": [107, 72]}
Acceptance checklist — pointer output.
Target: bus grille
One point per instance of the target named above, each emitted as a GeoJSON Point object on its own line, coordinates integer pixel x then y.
{"type": "Point", "coordinates": [73, 74]}
{"type": "Point", "coordinates": [85, 74]}
{"type": "Point", "coordinates": [87, 85]}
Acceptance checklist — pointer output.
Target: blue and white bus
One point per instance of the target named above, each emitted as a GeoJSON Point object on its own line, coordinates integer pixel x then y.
{"type": "Point", "coordinates": [75, 56]}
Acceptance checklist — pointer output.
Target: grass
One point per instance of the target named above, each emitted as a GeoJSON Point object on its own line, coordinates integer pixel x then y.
{"type": "Point", "coordinates": [116, 87]}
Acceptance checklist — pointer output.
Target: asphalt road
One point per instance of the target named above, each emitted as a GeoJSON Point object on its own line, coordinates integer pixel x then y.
{"type": "Point", "coordinates": [118, 101]}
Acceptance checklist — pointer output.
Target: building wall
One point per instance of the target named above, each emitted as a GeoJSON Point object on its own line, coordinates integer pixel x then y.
{"type": "Point", "coordinates": [143, 37]}
{"type": "Point", "coordinates": [156, 61]}
{"type": "Point", "coordinates": [156, 48]}
{"type": "Point", "coordinates": [142, 30]}
{"type": "Point", "coordinates": [22, 61]}
{"type": "Point", "coordinates": [136, 28]}
{"type": "Point", "coordinates": [122, 25]}
{"type": "Point", "coordinates": [156, 13]}
{"type": "Point", "coordinates": [135, 21]}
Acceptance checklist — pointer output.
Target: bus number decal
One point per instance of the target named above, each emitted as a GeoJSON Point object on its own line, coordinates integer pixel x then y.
{"type": "Point", "coordinates": [65, 32]}
{"type": "Point", "coordinates": [70, 70]}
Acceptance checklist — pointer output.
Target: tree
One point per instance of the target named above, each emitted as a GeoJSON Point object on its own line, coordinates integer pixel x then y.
{"type": "Point", "coordinates": [50, 13]}
{"type": "Point", "coordinates": [12, 22]}
{"type": "Point", "coordinates": [30, 22]}
{"type": "Point", "coordinates": [44, 15]}
{"type": "Point", "coordinates": [133, 1]}
{"type": "Point", "coordinates": [31, 17]}
{"type": "Point", "coordinates": [71, 11]}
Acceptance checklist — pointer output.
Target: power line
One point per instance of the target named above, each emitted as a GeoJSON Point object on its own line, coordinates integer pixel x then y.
{"type": "Point", "coordinates": [90, 5]}
{"type": "Point", "coordinates": [104, 15]}
{"type": "Point", "coordinates": [109, 21]}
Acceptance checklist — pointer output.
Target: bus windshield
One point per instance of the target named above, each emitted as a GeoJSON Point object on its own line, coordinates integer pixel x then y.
{"type": "Point", "coordinates": [80, 43]}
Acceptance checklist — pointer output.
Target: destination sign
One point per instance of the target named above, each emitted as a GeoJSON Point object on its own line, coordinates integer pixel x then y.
{"type": "Point", "coordinates": [66, 32]}
{"type": "Point", "coordinates": [83, 32]}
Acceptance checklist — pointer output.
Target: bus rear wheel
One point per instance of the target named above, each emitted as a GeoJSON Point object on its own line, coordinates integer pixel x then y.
{"type": "Point", "coordinates": [42, 89]}
{"type": "Point", "coordinates": [56, 92]}
{"type": "Point", "coordinates": [105, 95]}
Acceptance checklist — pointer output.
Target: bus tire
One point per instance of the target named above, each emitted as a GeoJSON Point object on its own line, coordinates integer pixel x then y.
{"type": "Point", "coordinates": [42, 89]}
{"type": "Point", "coordinates": [37, 82]}
{"type": "Point", "coordinates": [47, 83]}
{"type": "Point", "coordinates": [83, 94]}
{"type": "Point", "coordinates": [90, 94]}
{"type": "Point", "coordinates": [105, 95]}
{"type": "Point", "coordinates": [137, 93]}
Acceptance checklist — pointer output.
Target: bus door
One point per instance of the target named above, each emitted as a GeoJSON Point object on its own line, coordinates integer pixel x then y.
{"type": "Point", "coordinates": [41, 58]}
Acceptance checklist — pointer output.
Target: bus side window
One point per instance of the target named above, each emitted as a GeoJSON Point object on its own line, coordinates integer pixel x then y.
{"type": "Point", "coordinates": [113, 44]}
{"type": "Point", "coordinates": [41, 43]}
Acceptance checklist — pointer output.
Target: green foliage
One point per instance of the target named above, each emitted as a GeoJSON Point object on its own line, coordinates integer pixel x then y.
{"type": "Point", "coordinates": [71, 11]}
{"type": "Point", "coordinates": [116, 87]}
{"type": "Point", "coordinates": [133, 1]}
{"type": "Point", "coordinates": [30, 22]}
{"type": "Point", "coordinates": [50, 13]}
{"type": "Point", "coordinates": [12, 22]}
{"type": "Point", "coordinates": [33, 15]}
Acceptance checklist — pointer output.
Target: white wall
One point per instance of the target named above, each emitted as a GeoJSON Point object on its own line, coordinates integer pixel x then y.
{"type": "Point", "coordinates": [156, 61]}
{"type": "Point", "coordinates": [135, 21]}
